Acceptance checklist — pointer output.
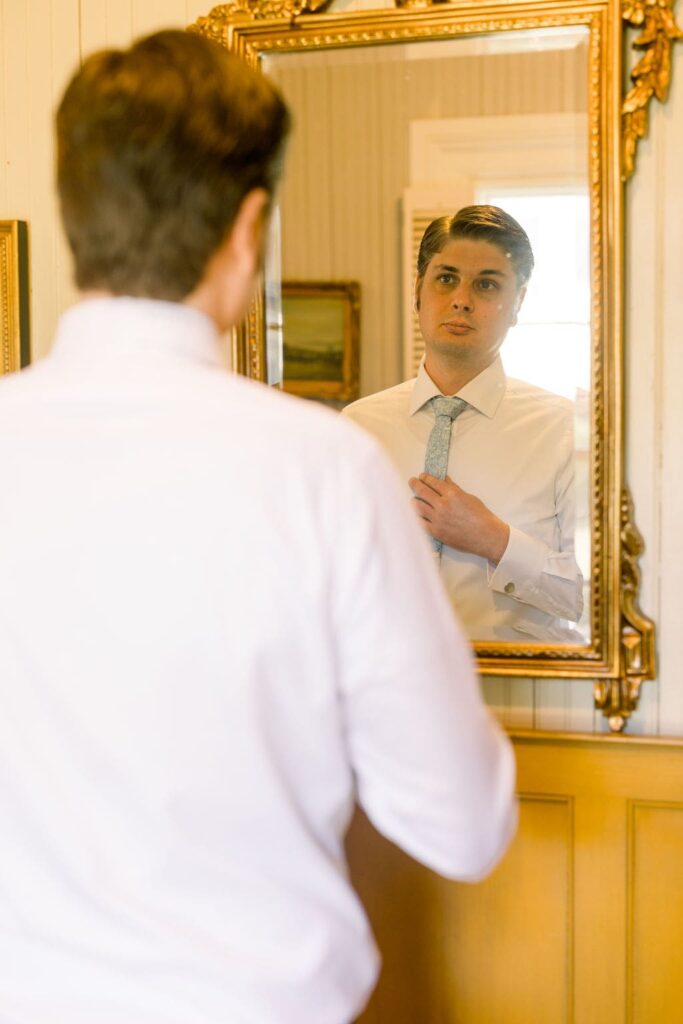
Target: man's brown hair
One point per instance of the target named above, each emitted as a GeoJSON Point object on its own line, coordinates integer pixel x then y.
{"type": "Point", "coordinates": [157, 146]}
{"type": "Point", "coordinates": [485, 224]}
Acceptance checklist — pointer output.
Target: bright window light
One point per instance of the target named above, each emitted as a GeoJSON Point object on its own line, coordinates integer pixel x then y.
{"type": "Point", "coordinates": [550, 346]}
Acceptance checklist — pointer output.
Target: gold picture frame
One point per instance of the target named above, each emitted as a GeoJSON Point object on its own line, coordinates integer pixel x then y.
{"type": "Point", "coordinates": [321, 339]}
{"type": "Point", "coordinates": [621, 652]}
{"type": "Point", "coordinates": [14, 336]}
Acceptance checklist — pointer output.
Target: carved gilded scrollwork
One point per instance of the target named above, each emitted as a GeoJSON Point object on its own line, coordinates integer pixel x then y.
{"type": "Point", "coordinates": [652, 74]}
{"type": "Point", "coordinates": [415, 3]}
{"type": "Point", "coordinates": [219, 22]}
{"type": "Point", "coordinates": [618, 698]}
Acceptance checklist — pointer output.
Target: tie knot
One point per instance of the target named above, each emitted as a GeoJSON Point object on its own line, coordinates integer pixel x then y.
{"type": "Point", "coordinates": [450, 407]}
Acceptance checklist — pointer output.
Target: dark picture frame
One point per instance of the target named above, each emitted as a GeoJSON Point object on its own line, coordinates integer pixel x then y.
{"type": "Point", "coordinates": [321, 332]}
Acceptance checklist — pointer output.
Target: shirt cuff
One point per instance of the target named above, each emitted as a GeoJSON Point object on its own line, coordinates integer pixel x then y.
{"type": "Point", "coordinates": [519, 569]}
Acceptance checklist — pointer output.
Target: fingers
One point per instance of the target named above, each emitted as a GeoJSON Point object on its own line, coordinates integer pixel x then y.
{"type": "Point", "coordinates": [432, 482]}
{"type": "Point", "coordinates": [435, 484]}
{"type": "Point", "coordinates": [426, 487]}
{"type": "Point", "coordinates": [423, 512]}
{"type": "Point", "coordinates": [423, 508]}
{"type": "Point", "coordinates": [440, 486]}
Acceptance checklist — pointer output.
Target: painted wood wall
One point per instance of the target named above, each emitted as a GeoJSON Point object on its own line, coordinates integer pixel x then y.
{"type": "Point", "coordinates": [580, 923]}
{"type": "Point", "coordinates": [41, 41]}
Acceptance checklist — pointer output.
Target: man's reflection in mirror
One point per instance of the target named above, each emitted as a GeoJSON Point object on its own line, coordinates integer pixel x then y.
{"type": "Point", "coordinates": [491, 475]}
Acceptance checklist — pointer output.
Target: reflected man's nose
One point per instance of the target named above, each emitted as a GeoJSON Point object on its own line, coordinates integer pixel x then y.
{"type": "Point", "coordinates": [462, 299]}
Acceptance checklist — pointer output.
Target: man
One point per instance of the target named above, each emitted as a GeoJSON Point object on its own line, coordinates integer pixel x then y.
{"type": "Point", "coordinates": [495, 491]}
{"type": "Point", "coordinates": [207, 646]}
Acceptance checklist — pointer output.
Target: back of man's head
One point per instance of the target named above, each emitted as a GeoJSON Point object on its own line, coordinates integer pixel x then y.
{"type": "Point", "coordinates": [157, 146]}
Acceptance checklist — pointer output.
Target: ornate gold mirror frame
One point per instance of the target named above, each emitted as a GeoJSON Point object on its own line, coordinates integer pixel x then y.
{"type": "Point", "coordinates": [621, 654]}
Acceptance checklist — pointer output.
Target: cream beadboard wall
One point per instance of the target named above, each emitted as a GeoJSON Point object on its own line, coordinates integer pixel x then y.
{"type": "Point", "coordinates": [42, 40]}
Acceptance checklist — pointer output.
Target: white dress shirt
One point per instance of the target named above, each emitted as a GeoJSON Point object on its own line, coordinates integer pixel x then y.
{"type": "Point", "coordinates": [513, 447]}
{"type": "Point", "coordinates": [208, 650]}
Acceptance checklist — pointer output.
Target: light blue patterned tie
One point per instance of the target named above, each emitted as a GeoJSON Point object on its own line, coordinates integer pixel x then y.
{"type": "Point", "coordinates": [439, 443]}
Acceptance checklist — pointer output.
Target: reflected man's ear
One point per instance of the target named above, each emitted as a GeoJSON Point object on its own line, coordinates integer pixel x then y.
{"type": "Point", "coordinates": [416, 294]}
{"type": "Point", "coordinates": [518, 304]}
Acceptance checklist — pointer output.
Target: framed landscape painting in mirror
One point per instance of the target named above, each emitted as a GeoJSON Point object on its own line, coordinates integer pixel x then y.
{"type": "Point", "coordinates": [320, 326]}
{"type": "Point", "coordinates": [405, 115]}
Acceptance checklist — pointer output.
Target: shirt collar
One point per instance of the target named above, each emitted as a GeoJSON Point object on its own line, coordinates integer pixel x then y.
{"type": "Point", "coordinates": [97, 328]}
{"type": "Point", "coordinates": [484, 393]}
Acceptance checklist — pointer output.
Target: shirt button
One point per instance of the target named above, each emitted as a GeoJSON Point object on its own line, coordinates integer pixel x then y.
{"type": "Point", "coordinates": [509, 588]}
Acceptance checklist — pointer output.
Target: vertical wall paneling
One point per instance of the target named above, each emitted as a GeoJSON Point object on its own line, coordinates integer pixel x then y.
{"type": "Point", "coordinates": [544, 938]}
{"type": "Point", "coordinates": [550, 704]}
{"type": "Point", "coordinates": [53, 47]}
{"type": "Point", "coordinates": [643, 383]}
{"type": "Point", "coordinates": [120, 24]}
{"type": "Point", "coordinates": [105, 23]}
{"type": "Point", "coordinates": [566, 705]}
{"type": "Point", "coordinates": [195, 9]}
{"type": "Point", "coordinates": [153, 15]}
{"type": "Point", "coordinates": [529, 896]}
{"type": "Point", "coordinates": [67, 51]}
{"type": "Point", "coordinates": [14, 147]}
{"type": "Point", "coordinates": [38, 99]}
{"type": "Point", "coordinates": [667, 562]}
{"type": "Point", "coordinates": [655, 910]}
{"type": "Point", "coordinates": [511, 699]}
{"type": "Point", "coordinates": [94, 26]}
{"type": "Point", "coordinates": [4, 102]}
{"type": "Point", "coordinates": [495, 694]}
{"type": "Point", "coordinates": [599, 877]}
{"type": "Point", "coordinates": [519, 703]}
{"type": "Point", "coordinates": [581, 714]}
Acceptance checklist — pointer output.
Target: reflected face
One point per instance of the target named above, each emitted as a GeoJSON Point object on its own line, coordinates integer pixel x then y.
{"type": "Point", "coordinates": [467, 301]}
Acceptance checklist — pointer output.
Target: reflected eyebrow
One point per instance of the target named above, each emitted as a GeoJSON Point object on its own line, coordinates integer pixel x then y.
{"type": "Point", "coordinates": [454, 270]}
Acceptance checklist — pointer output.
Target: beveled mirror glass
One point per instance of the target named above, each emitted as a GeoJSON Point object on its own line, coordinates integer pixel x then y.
{"type": "Point", "coordinates": [403, 115]}
{"type": "Point", "coordinates": [389, 137]}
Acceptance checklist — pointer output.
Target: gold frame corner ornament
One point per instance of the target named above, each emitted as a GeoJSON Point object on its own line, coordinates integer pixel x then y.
{"type": "Point", "coordinates": [618, 698]}
{"type": "Point", "coordinates": [220, 21]}
{"type": "Point", "coordinates": [651, 76]}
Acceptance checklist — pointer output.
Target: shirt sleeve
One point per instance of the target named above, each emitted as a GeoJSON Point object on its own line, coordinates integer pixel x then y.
{"type": "Point", "coordinates": [534, 573]}
{"type": "Point", "coordinates": [531, 572]}
{"type": "Point", "coordinates": [434, 772]}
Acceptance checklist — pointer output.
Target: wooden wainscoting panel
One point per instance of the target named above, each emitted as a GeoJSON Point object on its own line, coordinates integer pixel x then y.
{"type": "Point", "coordinates": [655, 953]}
{"type": "Point", "coordinates": [499, 952]}
{"type": "Point", "coordinates": [581, 923]}
{"type": "Point", "coordinates": [509, 940]}
{"type": "Point", "coordinates": [403, 902]}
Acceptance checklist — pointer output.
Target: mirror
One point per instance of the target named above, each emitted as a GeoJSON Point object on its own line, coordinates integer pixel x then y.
{"type": "Point", "coordinates": [405, 115]}
{"type": "Point", "coordinates": [496, 119]}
